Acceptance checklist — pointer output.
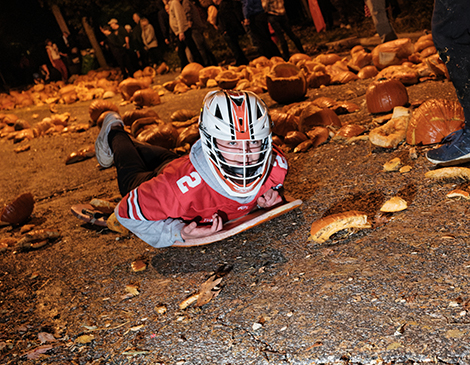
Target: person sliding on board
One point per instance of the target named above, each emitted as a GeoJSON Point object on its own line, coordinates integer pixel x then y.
{"type": "Point", "coordinates": [232, 169]}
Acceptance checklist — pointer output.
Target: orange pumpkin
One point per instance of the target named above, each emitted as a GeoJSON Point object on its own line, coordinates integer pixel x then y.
{"type": "Point", "coordinates": [433, 120]}
{"type": "Point", "coordinates": [98, 106]}
{"type": "Point", "coordinates": [313, 116]}
{"type": "Point", "coordinates": [190, 73]}
{"type": "Point", "coordinates": [19, 210]}
{"type": "Point", "coordinates": [383, 95]}
{"type": "Point", "coordinates": [286, 83]}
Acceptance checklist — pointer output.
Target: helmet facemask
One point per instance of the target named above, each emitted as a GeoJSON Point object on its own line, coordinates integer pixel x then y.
{"type": "Point", "coordinates": [236, 140]}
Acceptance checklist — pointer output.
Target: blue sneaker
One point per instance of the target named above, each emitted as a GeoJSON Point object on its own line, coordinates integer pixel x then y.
{"type": "Point", "coordinates": [455, 149]}
{"type": "Point", "coordinates": [103, 152]}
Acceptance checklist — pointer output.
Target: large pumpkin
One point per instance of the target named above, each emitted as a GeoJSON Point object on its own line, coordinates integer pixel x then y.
{"type": "Point", "coordinates": [383, 95]}
{"type": "Point", "coordinates": [286, 83]}
{"type": "Point", "coordinates": [19, 210]}
{"type": "Point", "coordinates": [433, 120]}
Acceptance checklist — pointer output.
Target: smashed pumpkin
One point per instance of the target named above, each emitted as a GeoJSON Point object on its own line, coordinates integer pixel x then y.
{"type": "Point", "coordinates": [286, 83]}
{"type": "Point", "coordinates": [434, 120]}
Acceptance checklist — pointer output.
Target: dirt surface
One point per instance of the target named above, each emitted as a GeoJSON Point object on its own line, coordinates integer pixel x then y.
{"type": "Point", "coordinates": [396, 293]}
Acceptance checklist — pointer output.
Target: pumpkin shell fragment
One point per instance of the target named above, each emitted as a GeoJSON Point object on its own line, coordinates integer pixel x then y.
{"type": "Point", "coordinates": [323, 229]}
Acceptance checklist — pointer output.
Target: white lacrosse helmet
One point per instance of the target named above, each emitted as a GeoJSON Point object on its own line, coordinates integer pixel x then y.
{"type": "Point", "coordinates": [240, 118]}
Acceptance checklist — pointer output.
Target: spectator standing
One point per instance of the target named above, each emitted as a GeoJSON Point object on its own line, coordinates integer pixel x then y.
{"type": "Point", "coordinates": [382, 23]}
{"type": "Point", "coordinates": [451, 35]}
{"type": "Point", "coordinates": [137, 41]}
{"type": "Point", "coordinates": [257, 22]}
{"type": "Point", "coordinates": [229, 24]}
{"type": "Point", "coordinates": [181, 27]}
{"type": "Point", "coordinates": [198, 27]}
{"type": "Point", "coordinates": [55, 58]}
{"type": "Point", "coordinates": [150, 42]}
{"type": "Point", "coordinates": [280, 23]}
{"type": "Point", "coordinates": [118, 43]}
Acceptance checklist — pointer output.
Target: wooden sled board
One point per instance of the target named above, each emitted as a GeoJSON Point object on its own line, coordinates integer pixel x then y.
{"type": "Point", "coordinates": [98, 220]}
{"type": "Point", "coordinates": [241, 224]}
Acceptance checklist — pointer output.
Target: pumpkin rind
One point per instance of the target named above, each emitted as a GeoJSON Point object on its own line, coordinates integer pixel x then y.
{"type": "Point", "coordinates": [434, 120]}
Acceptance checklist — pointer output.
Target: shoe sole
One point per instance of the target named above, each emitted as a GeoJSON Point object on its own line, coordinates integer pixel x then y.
{"type": "Point", "coordinates": [456, 161]}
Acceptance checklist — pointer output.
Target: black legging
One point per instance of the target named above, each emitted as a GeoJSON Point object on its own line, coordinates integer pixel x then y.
{"type": "Point", "coordinates": [136, 162]}
{"type": "Point", "coordinates": [451, 35]}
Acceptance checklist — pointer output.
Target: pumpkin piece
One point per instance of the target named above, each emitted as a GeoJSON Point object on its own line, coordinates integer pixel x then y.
{"type": "Point", "coordinates": [128, 87]}
{"type": "Point", "coordinates": [395, 204]}
{"type": "Point", "coordinates": [367, 72]}
{"type": "Point", "coordinates": [183, 115]}
{"type": "Point", "coordinates": [113, 224]}
{"type": "Point", "coordinates": [162, 69]}
{"type": "Point", "coordinates": [392, 53]}
{"type": "Point", "coordinates": [434, 120]}
{"type": "Point", "coordinates": [405, 74]}
{"type": "Point", "coordinates": [405, 169]}
{"type": "Point", "coordinates": [140, 124]}
{"type": "Point", "coordinates": [294, 138]}
{"type": "Point", "coordinates": [429, 51]}
{"type": "Point", "coordinates": [313, 116]}
{"type": "Point", "coordinates": [286, 83]}
{"type": "Point", "coordinates": [131, 116]}
{"type": "Point", "coordinates": [190, 73]}
{"type": "Point", "coordinates": [149, 72]}
{"type": "Point", "coordinates": [19, 210]}
{"type": "Point", "coordinates": [188, 135]}
{"type": "Point", "coordinates": [435, 63]}
{"type": "Point", "coordinates": [359, 60]}
{"type": "Point", "coordinates": [303, 146]}
{"type": "Point", "coordinates": [393, 165]}
{"type": "Point", "coordinates": [138, 265]}
{"type": "Point", "coordinates": [227, 79]}
{"type": "Point", "coordinates": [97, 107]}
{"type": "Point", "coordinates": [208, 73]}
{"type": "Point", "coordinates": [343, 77]}
{"type": "Point", "coordinates": [458, 193]}
{"type": "Point", "coordinates": [145, 97]}
{"type": "Point", "coordinates": [81, 155]}
{"type": "Point", "coordinates": [324, 102]}
{"type": "Point", "coordinates": [423, 44]}
{"type": "Point", "coordinates": [344, 107]}
{"type": "Point", "coordinates": [348, 131]}
{"type": "Point", "coordinates": [180, 87]}
{"type": "Point", "coordinates": [295, 108]}
{"type": "Point", "coordinates": [317, 79]}
{"type": "Point", "coordinates": [260, 62]}
{"type": "Point", "coordinates": [283, 123]}
{"type": "Point", "coordinates": [159, 134]}
{"type": "Point", "coordinates": [318, 135]}
{"type": "Point", "coordinates": [449, 173]}
{"type": "Point", "coordinates": [323, 229]}
{"type": "Point", "coordinates": [296, 57]}
{"type": "Point", "coordinates": [327, 59]}
{"type": "Point", "coordinates": [383, 95]}
{"type": "Point", "coordinates": [392, 133]}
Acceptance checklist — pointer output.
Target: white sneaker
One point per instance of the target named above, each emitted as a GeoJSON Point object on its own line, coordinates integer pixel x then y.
{"type": "Point", "coordinates": [103, 151]}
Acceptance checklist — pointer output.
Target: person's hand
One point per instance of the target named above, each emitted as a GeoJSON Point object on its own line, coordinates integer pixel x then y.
{"type": "Point", "coordinates": [181, 37]}
{"type": "Point", "coordinates": [270, 198]}
{"type": "Point", "coordinates": [167, 41]}
{"type": "Point", "coordinates": [246, 22]}
{"type": "Point", "coordinates": [192, 230]}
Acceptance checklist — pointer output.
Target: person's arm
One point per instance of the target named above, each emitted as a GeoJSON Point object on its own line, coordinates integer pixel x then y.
{"type": "Point", "coordinates": [269, 198]}
{"type": "Point", "coordinates": [180, 19]}
{"type": "Point", "coordinates": [50, 56]}
{"type": "Point", "coordinates": [158, 234]}
{"type": "Point", "coordinates": [165, 233]}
